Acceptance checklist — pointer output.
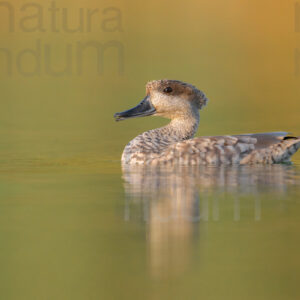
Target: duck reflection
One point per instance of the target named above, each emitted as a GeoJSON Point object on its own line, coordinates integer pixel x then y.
{"type": "Point", "coordinates": [173, 200]}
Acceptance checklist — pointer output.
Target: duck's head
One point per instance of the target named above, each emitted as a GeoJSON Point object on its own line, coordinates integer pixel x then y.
{"type": "Point", "coordinates": [167, 98]}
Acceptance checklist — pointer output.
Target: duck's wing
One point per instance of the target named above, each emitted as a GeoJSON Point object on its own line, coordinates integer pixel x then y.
{"type": "Point", "coordinates": [266, 139]}
{"type": "Point", "coordinates": [207, 150]}
{"type": "Point", "coordinates": [238, 149]}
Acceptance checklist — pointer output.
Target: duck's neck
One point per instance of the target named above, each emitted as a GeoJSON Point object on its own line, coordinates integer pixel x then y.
{"type": "Point", "coordinates": [154, 141]}
{"type": "Point", "coordinates": [182, 128]}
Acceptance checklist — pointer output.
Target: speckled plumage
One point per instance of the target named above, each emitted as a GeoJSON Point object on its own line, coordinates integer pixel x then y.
{"type": "Point", "coordinates": [174, 143]}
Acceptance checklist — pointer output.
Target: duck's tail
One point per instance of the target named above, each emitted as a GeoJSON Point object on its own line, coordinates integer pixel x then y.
{"type": "Point", "coordinates": [283, 151]}
{"type": "Point", "coordinates": [279, 152]}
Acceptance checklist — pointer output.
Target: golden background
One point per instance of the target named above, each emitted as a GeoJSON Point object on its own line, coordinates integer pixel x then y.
{"type": "Point", "coordinates": [62, 233]}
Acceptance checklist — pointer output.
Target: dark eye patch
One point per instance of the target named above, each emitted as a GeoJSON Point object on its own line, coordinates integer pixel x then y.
{"type": "Point", "coordinates": [168, 89]}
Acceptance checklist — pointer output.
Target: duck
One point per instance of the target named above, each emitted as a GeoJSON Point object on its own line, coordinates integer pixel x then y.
{"type": "Point", "coordinates": [175, 144]}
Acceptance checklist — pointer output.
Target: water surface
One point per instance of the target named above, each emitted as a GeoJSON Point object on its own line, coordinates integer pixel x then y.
{"type": "Point", "coordinates": [78, 226]}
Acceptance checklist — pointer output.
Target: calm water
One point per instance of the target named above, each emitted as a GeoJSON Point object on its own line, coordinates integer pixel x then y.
{"type": "Point", "coordinates": [77, 226]}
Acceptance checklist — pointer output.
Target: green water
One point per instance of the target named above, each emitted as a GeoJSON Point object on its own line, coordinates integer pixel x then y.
{"type": "Point", "coordinates": [75, 226]}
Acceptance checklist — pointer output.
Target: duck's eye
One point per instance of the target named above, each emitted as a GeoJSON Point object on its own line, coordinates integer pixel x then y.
{"type": "Point", "coordinates": [168, 89]}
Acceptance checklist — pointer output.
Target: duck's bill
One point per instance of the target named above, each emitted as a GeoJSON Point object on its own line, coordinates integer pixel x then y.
{"type": "Point", "coordinates": [144, 108]}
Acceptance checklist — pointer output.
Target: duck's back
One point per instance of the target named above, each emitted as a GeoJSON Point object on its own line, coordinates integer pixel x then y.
{"type": "Point", "coordinates": [265, 148]}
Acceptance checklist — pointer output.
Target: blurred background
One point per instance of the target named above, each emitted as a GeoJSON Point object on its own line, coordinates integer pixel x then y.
{"type": "Point", "coordinates": [65, 69]}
